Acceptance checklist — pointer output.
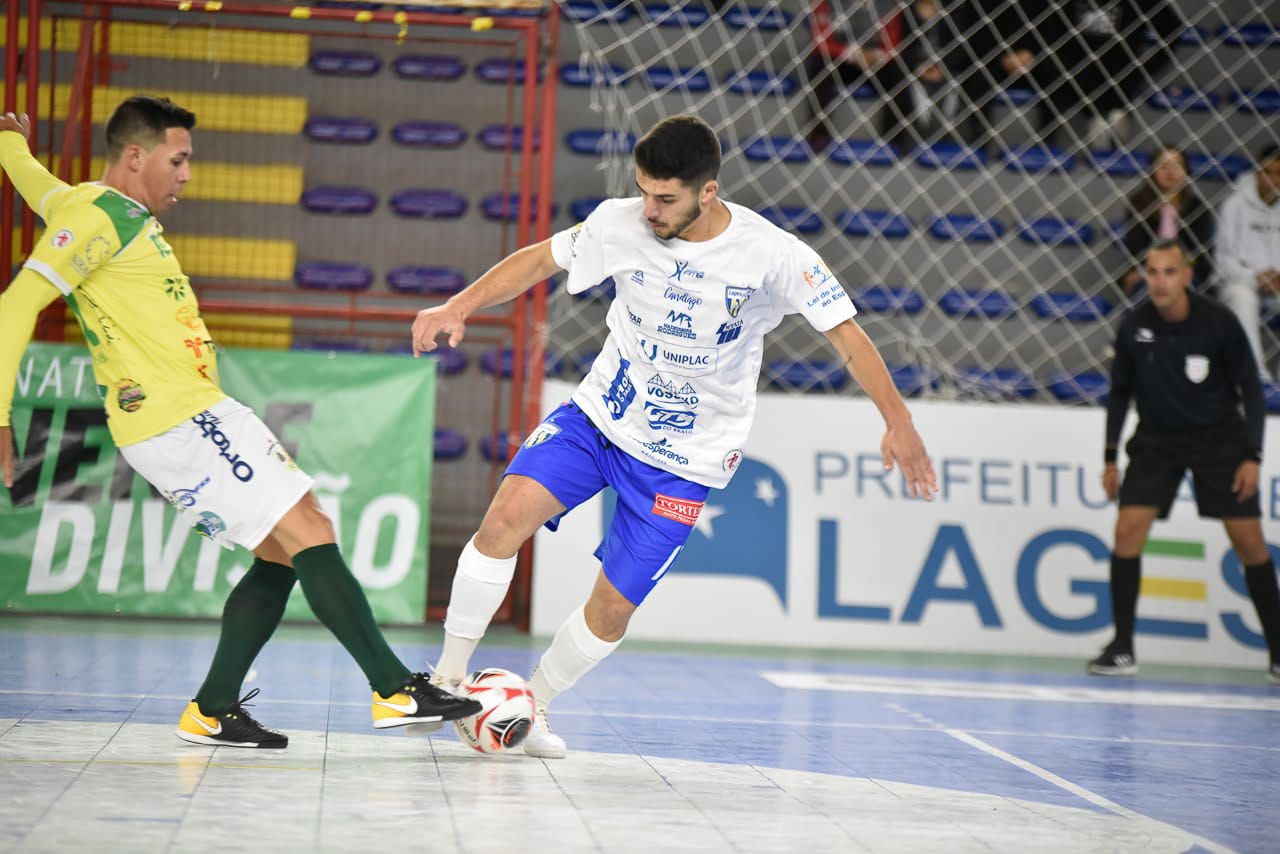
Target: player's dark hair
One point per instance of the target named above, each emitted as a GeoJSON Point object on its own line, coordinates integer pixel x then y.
{"type": "Point", "coordinates": [142, 120]}
{"type": "Point", "coordinates": [681, 147]}
{"type": "Point", "coordinates": [1170, 243]}
{"type": "Point", "coordinates": [1268, 153]}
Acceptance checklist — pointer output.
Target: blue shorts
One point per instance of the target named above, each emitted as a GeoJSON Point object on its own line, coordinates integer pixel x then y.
{"type": "Point", "coordinates": [656, 509]}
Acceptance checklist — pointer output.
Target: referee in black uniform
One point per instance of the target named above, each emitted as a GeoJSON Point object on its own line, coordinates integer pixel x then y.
{"type": "Point", "coordinates": [1185, 360]}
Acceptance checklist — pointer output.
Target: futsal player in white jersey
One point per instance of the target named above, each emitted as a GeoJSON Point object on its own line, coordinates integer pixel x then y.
{"type": "Point", "coordinates": [663, 415]}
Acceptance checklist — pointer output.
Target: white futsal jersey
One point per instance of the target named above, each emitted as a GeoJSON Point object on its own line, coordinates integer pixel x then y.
{"type": "Point", "coordinates": [675, 384]}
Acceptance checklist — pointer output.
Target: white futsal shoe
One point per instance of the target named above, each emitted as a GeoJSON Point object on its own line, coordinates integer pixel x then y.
{"type": "Point", "coordinates": [541, 741]}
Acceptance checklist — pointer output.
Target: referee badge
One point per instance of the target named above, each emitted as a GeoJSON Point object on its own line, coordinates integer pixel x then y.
{"type": "Point", "coordinates": [1197, 368]}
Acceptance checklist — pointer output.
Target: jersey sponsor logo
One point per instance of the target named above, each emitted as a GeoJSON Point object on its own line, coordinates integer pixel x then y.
{"type": "Point", "coordinates": [735, 298]}
{"type": "Point", "coordinates": [1197, 368]}
{"type": "Point", "coordinates": [662, 389]}
{"type": "Point", "coordinates": [817, 275]}
{"type": "Point", "coordinates": [276, 451]}
{"type": "Point", "coordinates": [638, 277]}
{"type": "Point", "coordinates": [209, 426]}
{"type": "Point", "coordinates": [61, 238]}
{"type": "Point", "coordinates": [683, 269]}
{"type": "Point", "coordinates": [664, 418]}
{"type": "Point", "coordinates": [574, 234]}
{"type": "Point", "coordinates": [540, 434]}
{"type": "Point", "coordinates": [210, 525]}
{"type": "Point", "coordinates": [728, 331]}
{"type": "Point", "coordinates": [680, 510]}
{"type": "Point", "coordinates": [731, 460]}
{"type": "Point", "coordinates": [130, 396]}
{"type": "Point", "coordinates": [1143, 335]}
{"type": "Point", "coordinates": [92, 256]}
{"type": "Point", "coordinates": [621, 393]}
{"type": "Point", "coordinates": [632, 316]}
{"type": "Point", "coordinates": [187, 316]}
{"type": "Point", "coordinates": [685, 298]}
{"type": "Point", "coordinates": [679, 324]}
{"type": "Point", "coordinates": [686, 361]}
{"type": "Point", "coordinates": [197, 345]}
{"type": "Point", "coordinates": [664, 450]}
{"type": "Point", "coordinates": [187, 497]}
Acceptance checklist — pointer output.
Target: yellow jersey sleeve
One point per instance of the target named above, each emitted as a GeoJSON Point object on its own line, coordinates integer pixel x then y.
{"type": "Point", "coordinates": [20, 305]}
{"type": "Point", "coordinates": [39, 189]}
{"type": "Point", "coordinates": [77, 241]}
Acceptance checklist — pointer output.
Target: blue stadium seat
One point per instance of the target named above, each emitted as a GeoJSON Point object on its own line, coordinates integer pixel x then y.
{"type": "Point", "coordinates": [590, 76]}
{"type": "Point", "coordinates": [1257, 34]}
{"type": "Point", "coordinates": [756, 17]}
{"type": "Point", "coordinates": [975, 302]}
{"type": "Point", "coordinates": [1036, 159]}
{"type": "Point", "coordinates": [597, 11]}
{"type": "Point", "coordinates": [1184, 99]}
{"type": "Point", "coordinates": [512, 12]}
{"type": "Point", "coordinates": [1015, 96]}
{"type": "Point", "coordinates": [429, 204]}
{"type": "Point", "coordinates": [1190, 36]}
{"type": "Point", "coordinates": [1077, 308]}
{"type": "Point", "coordinates": [885, 224]}
{"type": "Point", "coordinates": [499, 447]}
{"type": "Point", "coordinates": [865, 152]}
{"type": "Point", "coordinates": [584, 362]}
{"type": "Point", "coordinates": [346, 201]}
{"type": "Point", "coordinates": [1271, 395]}
{"type": "Point", "coordinates": [505, 208]}
{"type": "Point", "coordinates": [949, 155]}
{"type": "Point", "coordinates": [580, 209]}
{"type": "Point", "coordinates": [607, 289]}
{"type": "Point", "coordinates": [429, 134]}
{"type": "Point", "coordinates": [1053, 231]}
{"type": "Point", "coordinates": [345, 63]}
{"type": "Point", "coordinates": [1086, 387]}
{"type": "Point", "coordinates": [491, 362]}
{"type": "Point", "coordinates": [778, 149]}
{"type": "Point", "coordinates": [678, 80]}
{"type": "Point", "coordinates": [1122, 164]}
{"type": "Point", "coordinates": [342, 131]}
{"type": "Point", "coordinates": [805, 375]}
{"type": "Point", "coordinates": [967, 227]}
{"type": "Point", "coordinates": [759, 83]}
{"type": "Point", "coordinates": [424, 67]}
{"type": "Point", "coordinates": [597, 141]}
{"type": "Point", "coordinates": [1262, 102]}
{"type": "Point", "coordinates": [1212, 167]}
{"type": "Point", "coordinates": [449, 445]}
{"type": "Point", "coordinates": [885, 299]}
{"type": "Point", "coordinates": [1003, 383]}
{"type": "Point", "coordinates": [498, 69]}
{"type": "Point", "coordinates": [332, 276]}
{"type": "Point", "coordinates": [911, 380]}
{"type": "Point", "coordinates": [502, 137]}
{"type": "Point", "coordinates": [793, 218]}
{"type": "Point", "coordinates": [441, 281]}
{"type": "Point", "coordinates": [337, 345]}
{"type": "Point", "coordinates": [682, 15]}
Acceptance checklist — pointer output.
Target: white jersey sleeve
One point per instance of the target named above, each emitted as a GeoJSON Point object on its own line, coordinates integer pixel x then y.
{"type": "Point", "coordinates": [580, 250]}
{"type": "Point", "coordinates": [807, 286]}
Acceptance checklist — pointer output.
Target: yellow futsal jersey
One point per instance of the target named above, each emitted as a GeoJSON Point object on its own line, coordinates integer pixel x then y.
{"type": "Point", "coordinates": [152, 356]}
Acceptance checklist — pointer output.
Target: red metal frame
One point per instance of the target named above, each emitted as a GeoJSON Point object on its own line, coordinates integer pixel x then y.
{"type": "Point", "coordinates": [525, 323]}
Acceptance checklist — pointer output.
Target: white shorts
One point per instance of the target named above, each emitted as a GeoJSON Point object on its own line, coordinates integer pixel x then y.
{"type": "Point", "coordinates": [225, 472]}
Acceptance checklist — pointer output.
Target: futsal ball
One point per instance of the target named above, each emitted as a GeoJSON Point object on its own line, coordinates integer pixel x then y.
{"type": "Point", "coordinates": [507, 714]}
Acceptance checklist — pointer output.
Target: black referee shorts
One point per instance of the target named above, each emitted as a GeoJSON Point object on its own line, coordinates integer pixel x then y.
{"type": "Point", "coordinates": [1158, 461]}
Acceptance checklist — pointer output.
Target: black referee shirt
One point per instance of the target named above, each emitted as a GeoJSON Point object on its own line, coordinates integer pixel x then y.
{"type": "Point", "coordinates": [1188, 375]}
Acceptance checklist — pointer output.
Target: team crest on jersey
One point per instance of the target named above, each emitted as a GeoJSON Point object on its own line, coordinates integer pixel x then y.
{"type": "Point", "coordinates": [816, 275]}
{"type": "Point", "coordinates": [735, 297]}
{"type": "Point", "coordinates": [540, 434]}
{"type": "Point", "coordinates": [731, 460]}
{"type": "Point", "coordinates": [277, 452]}
{"type": "Point", "coordinates": [130, 396]}
{"type": "Point", "coordinates": [210, 525]}
{"type": "Point", "coordinates": [1197, 368]}
{"type": "Point", "coordinates": [61, 238]}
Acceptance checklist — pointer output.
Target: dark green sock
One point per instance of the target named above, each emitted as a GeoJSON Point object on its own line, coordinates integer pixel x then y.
{"type": "Point", "coordinates": [250, 615]}
{"type": "Point", "coordinates": [338, 600]}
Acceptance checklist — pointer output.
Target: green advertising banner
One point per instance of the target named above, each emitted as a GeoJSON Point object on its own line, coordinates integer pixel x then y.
{"type": "Point", "coordinates": [81, 533]}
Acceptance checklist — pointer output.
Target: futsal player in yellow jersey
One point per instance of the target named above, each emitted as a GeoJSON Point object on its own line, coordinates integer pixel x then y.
{"type": "Point", "coordinates": [104, 252]}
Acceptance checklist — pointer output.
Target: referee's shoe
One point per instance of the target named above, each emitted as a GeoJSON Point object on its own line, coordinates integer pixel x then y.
{"type": "Point", "coordinates": [420, 702]}
{"type": "Point", "coordinates": [1114, 662]}
{"type": "Point", "coordinates": [232, 728]}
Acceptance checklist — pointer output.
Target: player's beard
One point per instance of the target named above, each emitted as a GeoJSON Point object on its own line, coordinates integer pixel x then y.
{"type": "Point", "coordinates": [680, 225]}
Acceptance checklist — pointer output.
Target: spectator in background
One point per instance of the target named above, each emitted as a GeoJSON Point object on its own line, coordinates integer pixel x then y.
{"type": "Point", "coordinates": [1247, 249]}
{"type": "Point", "coordinates": [851, 48]}
{"type": "Point", "coordinates": [998, 42]}
{"type": "Point", "coordinates": [1165, 206]}
{"type": "Point", "coordinates": [927, 38]}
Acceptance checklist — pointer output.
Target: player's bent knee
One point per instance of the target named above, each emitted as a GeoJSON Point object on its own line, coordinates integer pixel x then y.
{"type": "Point", "coordinates": [304, 526]}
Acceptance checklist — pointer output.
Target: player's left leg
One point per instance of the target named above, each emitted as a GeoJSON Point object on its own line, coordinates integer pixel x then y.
{"type": "Point", "coordinates": [1260, 578]}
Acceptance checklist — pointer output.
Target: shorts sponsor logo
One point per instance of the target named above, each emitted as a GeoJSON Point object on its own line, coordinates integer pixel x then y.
{"type": "Point", "coordinates": [187, 497]}
{"type": "Point", "coordinates": [676, 420]}
{"type": "Point", "coordinates": [683, 269]}
{"type": "Point", "coordinates": [277, 452]}
{"type": "Point", "coordinates": [680, 510]}
{"type": "Point", "coordinates": [664, 450]}
{"type": "Point", "coordinates": [621, 393]}
{"type": "Point", "coordinates": [730, 330]}
{"type": "Point", "coordinates": [209, 426]}
{"type": "Point", "coordinates": [678, 324]}
{"type": "Point", "coordinates": [735, 297]}
{"type": "Point", "coordinates": [210, 525]}
{"type": "Point", "coordinates": [130, 396]}
{"type": "Point", "coordinates": [686, 361]}
{"type": "Point", "coordinates": [1197, 368]}
{"type": "Point", "coordinates": [731, 460]}
{"type": "Point", "coordinates": [61, 238]}
{"type": "Point", "coordinates": [541, 433]}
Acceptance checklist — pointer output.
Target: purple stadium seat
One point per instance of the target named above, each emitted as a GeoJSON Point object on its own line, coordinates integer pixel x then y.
{"type": "Point", "coordinates": [756, 17]}
{"type": "Point", "coordinates": [332, 276]}
{"type": "Point", "coordinates": [778, 149]}
{"type": "Point", "coordinates": [758, 83]}
{"type": "Point", "coordinates": [441, 281]}
{"type": "Point", "coordinates": [679, 80]}
{"type": "Point", "coordinates": [1077, 308]}
{"type": "Point", "coordinates": [682, 15]}
{"type": "Point", "coordinates": [596, 141]}
{"type": "Point", "coordinates": [499, 69]}
{"type": "Point", "coordinates": [429, 134]}
{"type": "Point", "coordinates": [1213, 167]}
{"type": "Point", "coordinates": [973, 302]}
{"type": "Point", "coordinates": [1184, 99]}
{"type": "Point", "coordinates": [882, 299]}
{"type": "Point", "coordinates": [429, 204]}
{"type": "Point", "coordinates": [1256, 34]}
{"type": "Point", "coordinates": [597, 11]}
{"type": "Point", "coordinates": [1053, 231]}
{"type": "Point", "coordinates": [345, 63]}
{"type": "Point", "coordinates": [865, 152]}
{"type": "Point", "coordinates": [815, 375]}
{"type": "Point", "coordinates": [345, 201]}
{"type": "Point", "coordinates": [1002, 383]}
{"type": "Point", "coordinates": [949, 155]}
{"type": "Point", "coordinates": [1122, 164]}
{"type": "Point", "coordinates": [449, 445]}
{"type": "Point", "coordinates": [342, 131]}
{"type": "Point", "coordinates": [504, 208]}
{"type": "Point", "coordinates": [1036, 159]}
{"type": "Point", "coordinates": [794, 218]}
{"type": "Point", "coordinates": [502, 137]}
{"type": "Point", "coordinates": [1263, 102]}
{"type": "Point", "coordinates": [1086, 387]}
{"type": "Point", "coordinates": [425, 67]}
{"type": "Point", "coordinates": [967, 227]}
{"type": "Point", "coordinates": [885, 224]}
{"type": "Point", "coordinates": [499, 448]}
{"type": "Point", "coordinates": [911, 380]}
{"type": "Point", "coordinates": [580, 76]}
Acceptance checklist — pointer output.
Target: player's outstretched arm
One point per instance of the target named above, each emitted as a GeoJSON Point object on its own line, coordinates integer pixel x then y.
{"type": "Point", "coordinates": [901, 444]}
{"type": "Point", "coordinates": [32, 181]}
{"type": "Point", "coordinates": [20, 305]}
{"type": "Point", "coordinates": [504, 281]}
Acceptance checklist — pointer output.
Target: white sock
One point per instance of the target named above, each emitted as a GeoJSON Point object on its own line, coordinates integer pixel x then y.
{"type": "Point", "coordinates": [479, 586]}
{"type": "Point", "coordinates": [573, 652]}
